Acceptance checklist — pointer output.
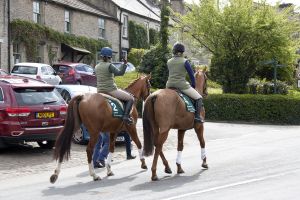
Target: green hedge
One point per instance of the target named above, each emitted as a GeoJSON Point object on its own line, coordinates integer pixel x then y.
{"type": "Point", "coordinates": [275, 109]}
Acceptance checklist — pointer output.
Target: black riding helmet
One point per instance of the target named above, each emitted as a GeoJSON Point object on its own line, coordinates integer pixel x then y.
{"type": "Point", "coordinates": [178, 47]}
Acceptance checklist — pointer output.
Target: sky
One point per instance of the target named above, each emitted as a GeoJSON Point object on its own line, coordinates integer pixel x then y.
{"type": "Point", "coordinates": [295, 2]}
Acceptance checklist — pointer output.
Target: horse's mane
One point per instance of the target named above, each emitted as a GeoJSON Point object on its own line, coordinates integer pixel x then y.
{"type": "Point", "coordinates": [132, 83]}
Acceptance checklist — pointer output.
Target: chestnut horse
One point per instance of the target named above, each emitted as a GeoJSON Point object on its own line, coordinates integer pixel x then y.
{"type": "Point", "coordinates": [165, 110]}
{"type": "Point", "coordinates": [94, 111]}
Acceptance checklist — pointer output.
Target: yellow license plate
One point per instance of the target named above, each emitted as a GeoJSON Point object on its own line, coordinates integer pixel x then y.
{"type": "Point", "coordinates": [44, 115]}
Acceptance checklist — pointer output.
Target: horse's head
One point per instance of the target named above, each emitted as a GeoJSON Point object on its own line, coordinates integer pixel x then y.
{"type": "Point", "coordinates": [201, 85]}
{"type": "Point", "coordinates": [140, 88]}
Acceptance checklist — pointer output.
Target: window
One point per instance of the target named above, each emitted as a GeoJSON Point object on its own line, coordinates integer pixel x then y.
{"type": "Point", "coordinates": [124, 54]}
{"type": "Point", "coordinates": [36, 12]}
{"type": "Point", "coordinates": [1, 95]}
{"type": "Point", "coordinates": [16, 53]}
{"type": "Point", "coordinates": [101, 28]}
{"type": "Point", "coordinates": [125, 26]}
{"type": "Point", "coordinates": [67, 22]}
{"type": "Point", "coordinates": [80, 68]}
{"type": "Point", "coordinates": [50, 70]}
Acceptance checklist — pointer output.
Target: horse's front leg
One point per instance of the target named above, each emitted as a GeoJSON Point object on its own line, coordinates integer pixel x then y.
{"type": "Point", "coordinates": [133, 134]}
{"type": "Point", "coordinates": [179, 151]}
{"type": "Point", "coordinates": [112, 141]}
{"type": "Point", "coordinates": [199, 128]}
{"type": "Point", "coordinates": [94, 136]}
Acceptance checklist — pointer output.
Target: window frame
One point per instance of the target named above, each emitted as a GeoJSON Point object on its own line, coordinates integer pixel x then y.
{"type": "Point", "coordinates": [101, 29]}
{"type": "Point", "coordinates": [67, 21]}
{"type": "Point", "coordinates": [125, 26]}
{"type": "Point", "coordinates": [36, 9]}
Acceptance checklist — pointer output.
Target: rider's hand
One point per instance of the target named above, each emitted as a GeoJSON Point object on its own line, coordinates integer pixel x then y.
{"type": "Point", "coordinates": [125, 61]}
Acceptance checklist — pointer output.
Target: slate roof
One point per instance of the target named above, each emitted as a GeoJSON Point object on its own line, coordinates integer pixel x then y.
{"type": "Point", "coordinates": [77, 4]}
{"type": "Point", "coordinates": [139, 8]}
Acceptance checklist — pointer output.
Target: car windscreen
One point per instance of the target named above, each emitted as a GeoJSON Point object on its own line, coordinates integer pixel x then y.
{"type": "Point", "coordinates": [37, 96]}
{"type": "Point", "coordinates": [24, 70]}
{"type": "Point", "coordinates": [61, 68]}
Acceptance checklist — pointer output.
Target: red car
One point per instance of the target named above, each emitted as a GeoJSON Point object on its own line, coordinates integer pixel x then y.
{"type": "Point", "coordinates": [76, 73]}
{"type": "Point", "coordinates": [30, 111]}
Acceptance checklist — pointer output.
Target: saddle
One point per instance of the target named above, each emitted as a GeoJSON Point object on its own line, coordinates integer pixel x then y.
{"type": "Point", "coordinates": [189, 102]}
{"type": "Point", "coordinates": [117, 106]}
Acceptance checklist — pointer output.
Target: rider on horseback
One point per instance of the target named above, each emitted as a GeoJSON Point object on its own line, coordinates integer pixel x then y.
{"type": "Point", "coordinates": [178, 67]}
{"type": "Point", "coordinates": [105, 72]}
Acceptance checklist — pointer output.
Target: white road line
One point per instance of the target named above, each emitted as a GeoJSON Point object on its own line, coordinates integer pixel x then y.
{"type": "Point", "coordinates": [230, 185]}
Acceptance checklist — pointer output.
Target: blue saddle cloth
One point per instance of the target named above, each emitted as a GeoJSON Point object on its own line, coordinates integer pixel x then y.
{"type": "Point", "coordinates": [189, 103]}
{"type": "Point", "coordinates": [117, 109]}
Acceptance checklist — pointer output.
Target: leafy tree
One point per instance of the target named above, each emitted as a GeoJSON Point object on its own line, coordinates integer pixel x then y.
{"type": "Point", "coordinates": [241, 37]}
{"type": "Point", "coordinates": [136, 36]}
{"type": "Point", "coordinates": [135, 56]}
{"type": "Point", "coordinates": [155, 60]}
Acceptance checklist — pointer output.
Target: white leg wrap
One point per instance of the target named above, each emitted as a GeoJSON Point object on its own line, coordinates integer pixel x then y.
{"type": "Point", "coordinates": [91, 169]}
{"type": "Point", "coordinates": [178, 159]}
{"type": "Point", "coordinates": [203, 153]}
{"type": "Point", "coordinates": [109, 158]}
{"type": "Point", "coordinates": [141, 153]}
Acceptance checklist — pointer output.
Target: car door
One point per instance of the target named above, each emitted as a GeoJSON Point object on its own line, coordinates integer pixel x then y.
{"type": "Point", "coordinates": [54, 78]}
{"type": "Point", "coordinates": [80, 70]}
{"type": "Point", "coordinates": [45, 75]}
{"type": "Point", "coordinates": [91, 76]}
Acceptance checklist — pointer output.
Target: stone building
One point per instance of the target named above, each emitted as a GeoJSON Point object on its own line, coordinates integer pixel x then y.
{"type": "Point", "coordinates": [3, 35]}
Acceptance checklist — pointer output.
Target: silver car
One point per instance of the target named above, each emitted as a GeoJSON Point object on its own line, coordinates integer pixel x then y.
{"type": "Point", "coordinates": [68, 92]}
{"type": "Point", "coordinates": [39, 71]}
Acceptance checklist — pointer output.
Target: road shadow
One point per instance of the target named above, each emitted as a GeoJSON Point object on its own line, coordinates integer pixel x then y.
{"type": "Point", "coordinates": [81, 187]}
{"type": "Point", "coordinates": [167, 182]}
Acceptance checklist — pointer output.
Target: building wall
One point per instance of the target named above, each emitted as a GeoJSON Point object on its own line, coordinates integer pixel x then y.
{"type": "Point", "coordinates": [3, 36]}
{"type": "Point", "coordinates": [52, 15]}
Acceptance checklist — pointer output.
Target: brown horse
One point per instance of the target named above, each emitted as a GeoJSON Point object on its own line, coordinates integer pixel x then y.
{"type": "Point", "coordinates": [165, 110]}
{"type": "Point", "coordinates": [94, 111]}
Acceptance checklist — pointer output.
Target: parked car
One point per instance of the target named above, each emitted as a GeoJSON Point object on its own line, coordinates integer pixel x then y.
{"type": "Point", "coordinates": [76, 73]}
{"type": "Point", "coordinates": [130, 67]}
{"type": "Point", "coordinates": [2, 72]}
{"type": "Point", "coordinates": [30, 111]}
{"type": "Point", "coordinates": [69, 91]}
{"type": "Point", "coordinates": [39, 71]}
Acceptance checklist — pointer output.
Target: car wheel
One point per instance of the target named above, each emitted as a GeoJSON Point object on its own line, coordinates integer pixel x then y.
{"type": "Point", "coordinates": [46, 144]}
{"type": "Point", "coordinates": [78, 137]}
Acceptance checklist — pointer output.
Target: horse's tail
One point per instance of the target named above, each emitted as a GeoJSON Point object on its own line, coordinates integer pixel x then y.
{"type": "Point", "coordinates": [72, 124]}
{"type": "Point", "coordinates": [148, 125]}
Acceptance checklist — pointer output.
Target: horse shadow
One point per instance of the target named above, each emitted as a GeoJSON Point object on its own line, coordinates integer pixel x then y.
{"type": "Point", "coordinates": [83, 187]}
{"type": "Point", "coordinates": [168, 182]}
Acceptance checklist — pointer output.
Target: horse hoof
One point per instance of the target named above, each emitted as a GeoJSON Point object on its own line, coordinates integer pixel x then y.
{"type": "Point", "coordinates": [110, 174]}
{"type": "Point", "coordinates": [97, 178]}
{"type": "Point", "coordinates": [204, 165]}
{"type": "Point", "coordinates": [180, 171]}
{"type": "Point", "coordinates": [154, 178]}
{"type": "Point", "coordinates": [53, 178]}
{"type": "Point", "coordinates": [143, 166]}
{"type": "Point", "coordinates": [168, 170]}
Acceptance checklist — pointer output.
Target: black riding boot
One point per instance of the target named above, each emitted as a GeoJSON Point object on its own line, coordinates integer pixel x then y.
{"type": "Point", "coordinates": [198, 107]}
{"type": "Point", "coordinates": [127, 109]}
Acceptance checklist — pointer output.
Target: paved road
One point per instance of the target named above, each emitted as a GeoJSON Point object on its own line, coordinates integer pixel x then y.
{"type": "Point", "coordinates": [246, 162]}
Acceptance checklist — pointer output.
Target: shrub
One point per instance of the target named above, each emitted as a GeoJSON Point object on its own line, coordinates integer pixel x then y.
{"type": "Point", "coordinates": [275, 109]}
{"type": "Point", "coordinates": [135, 56]}
{"type": "Point", "coordinates": [265, 87]}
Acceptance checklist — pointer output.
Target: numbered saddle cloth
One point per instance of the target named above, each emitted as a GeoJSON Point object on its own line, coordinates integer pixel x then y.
{"type": "Point", "coordinates": [117, 106]}
{"type": "Point", "coordinates": [189, 103]}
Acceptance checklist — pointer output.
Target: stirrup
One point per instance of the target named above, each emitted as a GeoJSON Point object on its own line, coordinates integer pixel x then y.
{"type": "Point", "coordinates": [199, 120]}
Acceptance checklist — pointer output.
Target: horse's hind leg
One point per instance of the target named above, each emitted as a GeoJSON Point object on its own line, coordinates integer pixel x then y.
{"type": "Point", "coordinates": [165, 162]}
{"type": "Point", "coordinates": [159, 141]}
{"type": "Point", "coordinates": [179, 151]}
{"type": "Point", "coordinates": [112, 140]}
{"type": "Point", "coordinates": [89, 151]}
{"type": "Point", "coordinates": [200, 130]}
{"type": "Point", "coordinates": [133, 134]}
